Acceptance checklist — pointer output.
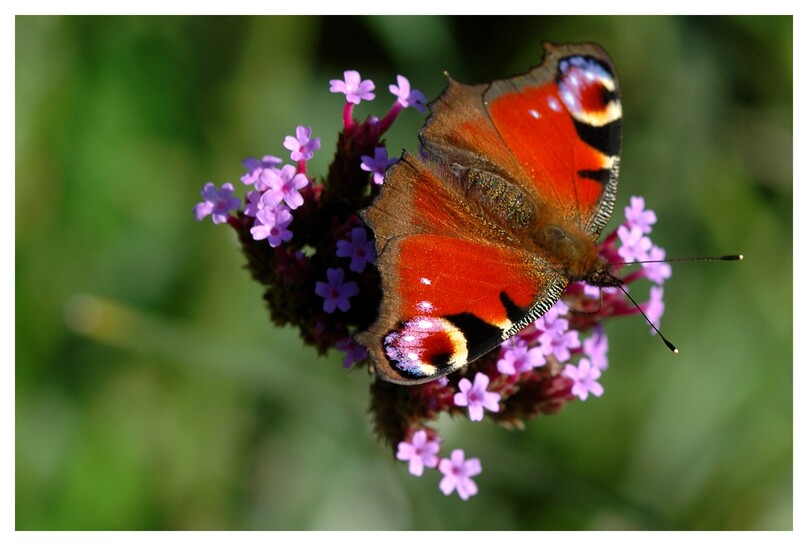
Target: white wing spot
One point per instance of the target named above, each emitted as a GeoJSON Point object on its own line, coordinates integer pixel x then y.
{"type": "Point", "coordinates": [425, 281]}
{"type": "Point", "coordinates": [534, 113]}
{"type": "Point", "coordinates": [553, 104]}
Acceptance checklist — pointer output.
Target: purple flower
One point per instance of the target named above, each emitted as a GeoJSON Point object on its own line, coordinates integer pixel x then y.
{"type": "Point", "coordinates": [217, 202]}
{"type": "Point", "coordinates": [271, 224]}
{"type": "Point", "coordinates": [457, 473]}
{"type": "Point", "coordinates": [421, 452]}
{"type": "Point", "coordinates": [406, 96]}
{"type": "Point", "coordinates": [655, 306]}
{"type": "Point", "coordinates": [584, 378]}
{"type": "Point", "coordinates": [595, 347]}
{"type": "Point", "coordinates": [255, 166]}
{"type": "Point", "coordinates": [302, 146]}
{"type": "Point", "coordinates": [476, 397]}
{"type": "Point", "coordinates": [660, 271]}
{"type": "Point", "coordinates": [356, 90]}
{"type": "Point", "coordinates": [283, 185]}
{"type": "Point", "coordinates": [556, 338]}
{"type": "Point", "coordinates": [353, 351]}
{"type": "Point", "coordinates": [336, 292]}
{"type": "Point", "coordinates": [559, 343]}
{"type": "Point", "coordinates": [377, 164]}
{"type": "Point", "coordinates": [358, 249]}
{"type": "Point", "coordinates": [515, 357]}
{"type": "Point", "coordinates": [637, 216]}
{"type": "Point", "coordinates": [253, 204]}
{"type": "Point", "coordinates": [635, 245]}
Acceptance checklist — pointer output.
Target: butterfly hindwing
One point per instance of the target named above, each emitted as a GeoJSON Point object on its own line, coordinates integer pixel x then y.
{"type": "Point", "coordinates": [454, 286]}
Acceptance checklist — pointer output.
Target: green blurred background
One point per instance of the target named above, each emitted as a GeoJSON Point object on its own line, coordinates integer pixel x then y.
{"type": "Point", "coordinates": [152, 392]}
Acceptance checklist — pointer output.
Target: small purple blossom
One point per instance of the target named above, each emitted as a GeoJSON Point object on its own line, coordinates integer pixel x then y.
{"type": "Point", "coordinates": [217, 202]}
{"type": "Point", "coordinates": [377, 164]}
{"type": "Point", "coordinates": [637, 216]}
{"type": "Point", "coordinates": [635, 245]}
{"type": "Point", "coordinates": [255, 166]}
{"type": "Point", "coordinates": [457, 473]}
{"type": "Point", "coordinates": [253, 204]}
{"type": "Point", "coordinates": [353, 351]}
{"type": "Point", "coordinates": [420, 452]}
{"type": "Point", "coordinates": [556, 338]}
{"type": "Point", "coordinates": [657, 272]}
{"type": "Point", "coordinates": [335, 292]}
{"type": "Point", "coordinates": [655, 306]}
{"type": "Point", "coordinates": [406, 96]}
{"type": "Point", "coordinates": [302, 145]}
{"type": "Point", "coordinates": [516, 357]}
{"type": "Point", "coordinates": [595, 347]}
{"type": "Point", "coordinates": [584, 378]}
{"type": "Point", "coordinates": [283, 185]}
{"type": "Point", "coordinates": [271, 224]}
{"type": "Point", "coordinates": [355, 88]}
{"type": "Point", "coordinates": [358, 249]}
{"type": "Point", "coordinates": [476, 397]}
{"type": "Point", "coordinates": [558, 343]}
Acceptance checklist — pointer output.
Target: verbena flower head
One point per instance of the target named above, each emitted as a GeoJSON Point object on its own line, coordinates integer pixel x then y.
{"type": "Point", "coordinates": [407, 96]}
{"type": "Point", "coordinates": [336, 293]}
{"type": "Point", "coordinates": [271, 224]}
{"type": "Point", "coordinates": [377, 164]}
{"type": "Point", "coordinates": [353, 351]}
{"type": "Point", "coordinates": [457, 473]}
{"type": "Point", "coordinates": [302, 145]}
{"type": "Point", "coordinates": [657, 271]}
{"type": "Point", "coordinates": [584, 379]}
{"type": "Point", "coordinates": [420, 451]}
{"type": "Point", "coordinates": [217, 202]}
{"type": "Point", "coordinates": [476, 397]}
{"type": "Point", "coordinates": [637, 216]}
{"type": "Point", "coordinates": [359, 249]}
{"type": "Point", "coordinates": [256, 166]}
{"type": "Point", "coordinates": [355, 88]}
{"type": "Point", "coordinates": [322, 280]}
{"type": "Point", "coordinates": [516, 357]}
{"type": "Point", "coordinates": [284, 185]}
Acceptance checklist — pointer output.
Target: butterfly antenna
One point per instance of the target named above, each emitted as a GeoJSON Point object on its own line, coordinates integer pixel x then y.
{"type": "Point", "coordinates": [670, 345]}
{"type": "Point", "coordinates": [727, 258]}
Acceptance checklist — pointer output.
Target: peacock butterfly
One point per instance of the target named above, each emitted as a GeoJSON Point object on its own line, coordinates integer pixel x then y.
{"type": "Point", "coordinates": [479, 236]}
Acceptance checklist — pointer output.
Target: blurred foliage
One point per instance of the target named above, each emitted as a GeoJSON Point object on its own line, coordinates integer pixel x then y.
{"type": "Point", "coordinates": [152, 393]}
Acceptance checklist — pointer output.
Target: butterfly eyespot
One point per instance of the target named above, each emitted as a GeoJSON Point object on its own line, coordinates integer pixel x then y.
{"type": "Point", "coordinates": [588, 90]}
{"type": "Point", "coordinates": [425, 346]}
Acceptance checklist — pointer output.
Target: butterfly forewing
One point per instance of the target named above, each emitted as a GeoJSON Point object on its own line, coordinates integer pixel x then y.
{"type": "Point", "coordinates": [562, 122]}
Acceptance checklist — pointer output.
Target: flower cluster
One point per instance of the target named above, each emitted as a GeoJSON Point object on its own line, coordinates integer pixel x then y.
{"type": "Point", "coordinates": [305, 243]}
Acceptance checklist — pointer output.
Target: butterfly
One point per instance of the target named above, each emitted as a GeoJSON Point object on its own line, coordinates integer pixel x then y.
{"type": "Point", "coordinates": [479, 235]}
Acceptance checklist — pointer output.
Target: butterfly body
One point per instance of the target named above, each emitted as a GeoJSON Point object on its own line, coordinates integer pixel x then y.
{"type": "Point", "coordinates": [480, 236]}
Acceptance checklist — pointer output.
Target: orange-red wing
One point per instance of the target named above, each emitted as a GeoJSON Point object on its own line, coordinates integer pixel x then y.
{"type": "Point", "coordinates": [555, 131]}
{"type": "Point", "coordinates": [454, 287]}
